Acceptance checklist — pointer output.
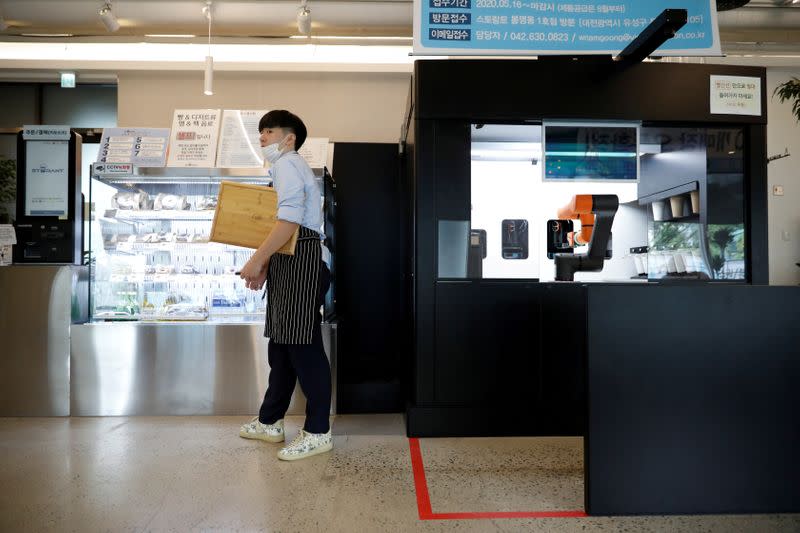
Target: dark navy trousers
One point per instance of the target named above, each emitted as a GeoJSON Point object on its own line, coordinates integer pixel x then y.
{"type": "Point", "coordinates": [303, 363]}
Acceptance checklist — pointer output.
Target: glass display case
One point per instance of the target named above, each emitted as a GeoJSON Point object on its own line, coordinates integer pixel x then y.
{"type": "Point", "coordinates": [149, 251]}
{"type": "Point", "coordinates": [697, 221]}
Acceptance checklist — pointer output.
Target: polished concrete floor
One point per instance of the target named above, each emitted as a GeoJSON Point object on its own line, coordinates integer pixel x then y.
{"type": "Point", "coordinates": [196, 474]}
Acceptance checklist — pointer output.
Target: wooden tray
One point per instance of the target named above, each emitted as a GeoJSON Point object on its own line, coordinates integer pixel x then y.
{"type": "Point", "coordinates": [245, 215]}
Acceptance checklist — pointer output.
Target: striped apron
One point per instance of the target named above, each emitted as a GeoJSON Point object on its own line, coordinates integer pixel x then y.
{"type": "Point", "coordinates": [291, 287]}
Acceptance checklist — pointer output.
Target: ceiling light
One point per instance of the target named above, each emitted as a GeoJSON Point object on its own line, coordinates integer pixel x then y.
{"type": "Point", "coordinates": [170, 35]}
{"type": "Point", "coordinates": [208, 78]}
{"type": "Point", "coordinates": [108, 17]}
{"type": "Point", "coordinates": [47, 35]}
{"type": "Point", "coordinates": [304, 19]}
{"type": "Point", "coordinates": [356, 37]}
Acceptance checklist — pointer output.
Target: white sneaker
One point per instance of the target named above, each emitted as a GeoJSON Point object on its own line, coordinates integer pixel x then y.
{"type": "Point", "coordinates": [267, 432]}
{"type": "Point", "coordinates": [306, 444]}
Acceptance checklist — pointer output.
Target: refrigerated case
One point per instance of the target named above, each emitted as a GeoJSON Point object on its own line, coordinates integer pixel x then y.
{"type": "Point", "coordinates": [173, 329]}
{"type": "Point", "coordinates": [150, 255]}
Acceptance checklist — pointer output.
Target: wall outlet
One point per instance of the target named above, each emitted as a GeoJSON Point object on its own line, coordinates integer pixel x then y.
{"type": "Point", "coordinates": [777, 190]}
{"type": "Point", "coordinates": [786, 235]}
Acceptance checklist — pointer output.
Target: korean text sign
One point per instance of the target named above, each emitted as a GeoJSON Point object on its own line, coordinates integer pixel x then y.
{"type": "Point", "coordinates": [527, 27]}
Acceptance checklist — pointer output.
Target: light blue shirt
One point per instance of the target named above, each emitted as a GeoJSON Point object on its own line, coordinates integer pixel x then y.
{"type": "Point", "coordinates": [299, 197]}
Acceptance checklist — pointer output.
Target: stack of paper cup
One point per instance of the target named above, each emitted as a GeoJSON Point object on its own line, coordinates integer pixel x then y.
{"type": "Point", "coordinates": [659, 210]}
{"type": "Point", "coordinates": [676, 203]}
{"type": "Point", "coordinates": [679, 266]}
{"type": "Point", "coordinates": [695, 196]}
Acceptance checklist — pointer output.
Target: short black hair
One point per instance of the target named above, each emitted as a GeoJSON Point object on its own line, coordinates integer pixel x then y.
{"type": "Point", "coordinates": [286, 120]}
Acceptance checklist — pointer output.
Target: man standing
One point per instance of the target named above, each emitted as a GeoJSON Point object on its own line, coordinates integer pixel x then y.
{"type": "Point", "coordinates": [296, 285]}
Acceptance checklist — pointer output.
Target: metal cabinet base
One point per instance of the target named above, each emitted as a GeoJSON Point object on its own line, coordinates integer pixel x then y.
{"type": "Point", "coordinates": [35, 317]}
{"type": "Point", "coordinates": [174, 369]}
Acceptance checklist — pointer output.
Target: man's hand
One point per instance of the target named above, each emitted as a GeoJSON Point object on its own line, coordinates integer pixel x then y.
{"type": "Point", "coordinates": [254, 273]}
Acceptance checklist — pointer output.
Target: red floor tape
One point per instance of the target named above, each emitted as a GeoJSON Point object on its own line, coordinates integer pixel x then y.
{"type": "Point", "coordinates": [424, 498]}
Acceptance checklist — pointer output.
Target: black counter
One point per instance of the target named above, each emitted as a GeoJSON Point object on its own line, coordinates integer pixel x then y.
{"type": "Point", "coordinates": [693, 399]}
{"type": "Point", "coordinates": [686, 394]}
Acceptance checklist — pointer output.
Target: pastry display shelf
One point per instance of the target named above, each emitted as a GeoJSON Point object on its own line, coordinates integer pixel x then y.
{"type": "Point", "coordinates": [159, 278]}
{"type": "Point", "coordinates": [182, 176]}
{"type": "Point", "coordinates": [146, 215]}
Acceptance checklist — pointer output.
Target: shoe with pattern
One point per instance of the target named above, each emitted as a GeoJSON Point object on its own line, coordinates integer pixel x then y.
{"type": "Point", "coordinates": [306, 445]}
{"type": "Point", "coordinates": [266, 432]}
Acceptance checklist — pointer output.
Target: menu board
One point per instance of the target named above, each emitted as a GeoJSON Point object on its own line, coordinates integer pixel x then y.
{"type": "Point", "coordinates": [142, 147]}
{"type": "Point", "coordinates": [239, 146]}
{"type": "Point", "coordinates": [193, 139]}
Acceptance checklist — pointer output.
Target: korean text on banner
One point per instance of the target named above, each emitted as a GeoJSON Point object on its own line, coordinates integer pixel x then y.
{"type": "Point", "coordinates": [523, 27]}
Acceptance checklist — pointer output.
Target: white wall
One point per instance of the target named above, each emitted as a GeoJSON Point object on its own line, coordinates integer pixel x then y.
{"type": "Point", "coordinates": [783, 131]}
{"type": "Point", "coordinates": [345, 107]}
{"type": "Point", "coordinates": [508, 190]}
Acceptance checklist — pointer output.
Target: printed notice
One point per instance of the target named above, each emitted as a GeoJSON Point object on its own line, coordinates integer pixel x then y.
{"type": "Point", "coordinates": [239, 146]}
{"type": "Point", "coordinates": [7, 234]}
{"type": "Point", "coordinates": [141, 147]}
{"type": "Point", "coordinates": [517, 27]}
{"type": "Point", "coordinates": [315, 151]}
{"type": "Point", "coordinates": [193, 141]}
{"type": "Point", "coordinates": [735, 95]}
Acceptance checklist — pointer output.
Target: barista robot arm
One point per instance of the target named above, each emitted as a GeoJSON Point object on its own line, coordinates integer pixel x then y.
{"type": "Point", "coordinates": [596, 213]}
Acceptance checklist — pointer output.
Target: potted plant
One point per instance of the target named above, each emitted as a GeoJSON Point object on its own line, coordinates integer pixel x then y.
{"type": "Point", "coordinates": [8, 187]}
{"type": "Point", "coordinates": [790, 90]}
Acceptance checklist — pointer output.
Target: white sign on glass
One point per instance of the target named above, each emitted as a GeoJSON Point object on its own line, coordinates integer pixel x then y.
{"type": "Point", "coordinates": [193, 140]}
{"type": "Point", "coordinates": [735, 95]}
{"type": "Point", "coordinates": [315, 151]}
{"type": "Point", "coordinates": [45, 133]}
{"type": "Point", "coordinates": [239, 146]}
{"type": "Point", "coordinates": [142, 147]}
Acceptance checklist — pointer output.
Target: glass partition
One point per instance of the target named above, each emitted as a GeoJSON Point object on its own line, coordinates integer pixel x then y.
{"type": "Point", "coordinates": [696, 227]}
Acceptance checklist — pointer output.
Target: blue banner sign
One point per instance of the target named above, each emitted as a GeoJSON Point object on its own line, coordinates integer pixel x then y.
{"type": "Point", "coordinates": [527, 27]}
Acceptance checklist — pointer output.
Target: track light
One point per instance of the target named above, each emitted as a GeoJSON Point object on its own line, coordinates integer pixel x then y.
{"type": "Point", "coordinates": [304, 19]}
{"type": "Point", "coordinates": [108, 17]}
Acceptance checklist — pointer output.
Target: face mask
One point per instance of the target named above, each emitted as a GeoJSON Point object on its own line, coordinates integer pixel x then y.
{"type": "Point", "coordinates": [272, 152]}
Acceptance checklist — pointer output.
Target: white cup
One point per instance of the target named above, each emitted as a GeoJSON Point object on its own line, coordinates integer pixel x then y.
{"type": "Point", "coordinates": [659, 210]}
{"type": "Point", "coordinates": [672, 268]}
{"type": "Point", "coordinates": [679, 265]}
{"type": "Point", "coordinates": [688, 260]}
{"type": "Point", "coordinates": [637, 261]}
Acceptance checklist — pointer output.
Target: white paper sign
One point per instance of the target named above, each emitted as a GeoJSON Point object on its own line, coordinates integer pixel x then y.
{"type": "Point", "coordinates": [193, 141]}
{"type": "Point", "coordinates": [735, 95]}
{"type": "Point", "coordinates": [142, 147]}
{"type": "Point", "coordinates": [5, 254]}
{"type": "Point", "coordinates": [47, 178]}
{"type": "Point", "coordinates": [45, 133]}
{"type": "Point", "coordinates": [7, 235]}
{"type": "Point", "coordinates": [239, 146]}
{"type": "Point", "coordinates": [315, 151]}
